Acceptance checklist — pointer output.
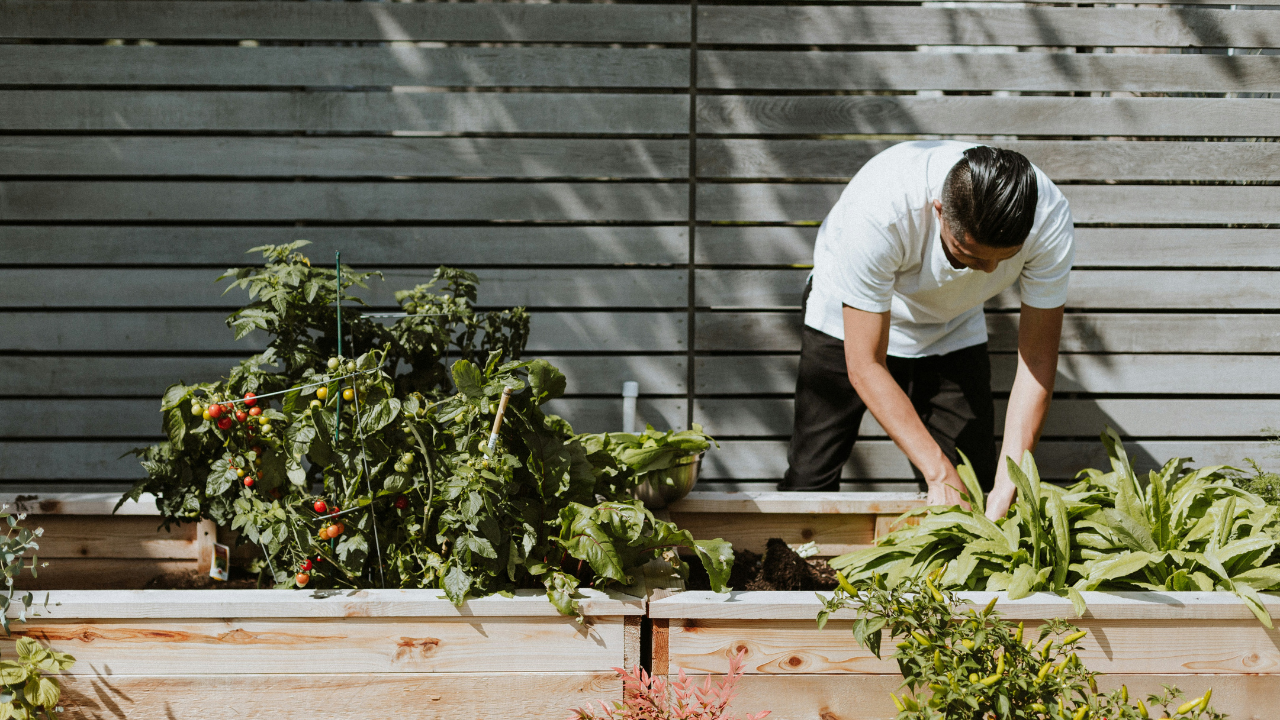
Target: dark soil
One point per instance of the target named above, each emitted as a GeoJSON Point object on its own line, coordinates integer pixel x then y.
{"type": "Point", "coordinates": [780, 568]}
{"type": "Point", "coordinates": [192, 580]}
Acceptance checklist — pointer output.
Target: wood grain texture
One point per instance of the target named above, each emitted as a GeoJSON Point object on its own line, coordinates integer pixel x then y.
{"type": "Point", "coordinates": [1082, 332]}
{"type": "Point", "coordinates": [1024, 27]}
{"type": "Point", "coordinates": [380, 247]}
{"type": "Point", "coordinates": [983, 115]}
{"type": "Point", "coordinates": [1062, 160]}
{"type": "Point", "coordinates": [1094, 374]}
{"type": "Point", "coordinates": [1096, 247]}
{"type": "Point", "coordinates": [364, 67]}
{"type": "Point", "coordinates": [205, 331]}
{"type": "Point", "coordinates": [1089, 289]}
{"type": "Point", "coordinates": [100, 573]}
{"type": "Point", "coordinates": [429, 696]}
{"type": "Point", "coordinates": [790, 503]}
{"type": "Point", "coordinates": [342, 111]}
{"type": "Point", "coordinates": [354, 202]}
{"type": "Point", "coordinates": [834, 534]}
{"type": "Point", "coordinates": [1165, 204]}
{"type": "Point", "coordinates": [1030, 71]}
{"type": "Point", "coordinates": [214, 20]}
{"type": "Point", "coordinates": [170, 288]}
{"type": "Point", "coordinates": [107, 536]}
{"type": "Point", "coordinates": [328, 157]}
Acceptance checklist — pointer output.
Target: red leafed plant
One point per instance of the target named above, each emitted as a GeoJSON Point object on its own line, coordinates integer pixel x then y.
{"type": "Point", "coordinates": [651, 697]}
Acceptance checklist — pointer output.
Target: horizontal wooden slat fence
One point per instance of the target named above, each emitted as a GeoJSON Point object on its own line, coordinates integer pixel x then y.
{"type": "Point", "coordinates": [647, 177]}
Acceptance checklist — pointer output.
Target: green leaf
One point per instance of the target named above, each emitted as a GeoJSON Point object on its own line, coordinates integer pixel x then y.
{"type": "Point", "coordinates": [546, 382]}
{"type": "Point", "coordinates": [457, 583]}
{"type": "Point", "coordinates": [717, 558]}
{"type": "Point", "coordinates": [380, 415]}
{"type": "Point", "coordinates": [12, 673]}
{"type": "Point", "coordinates": [468, 379]}
{"type": "Point", "coordinates": [970, 479]}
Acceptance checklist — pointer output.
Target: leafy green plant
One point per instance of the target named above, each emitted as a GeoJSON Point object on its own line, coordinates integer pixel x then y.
{"type": "Point", "coordinates": [15, 543]}
{"type": "Point", "coordinates": [1263, 483]}
{"type": "Point", "coordinates": [27, 693]}
{"type": "Point", "coordinates": [652, 697]}
{"type": "Point", "coordinates": [626, 457]}
{"type": "Point", "coordinates": [1183, 529]}
{"type": "Point", "coordinates": [379, 470]}
{"type": "Point", "coordinates": [974, 664]}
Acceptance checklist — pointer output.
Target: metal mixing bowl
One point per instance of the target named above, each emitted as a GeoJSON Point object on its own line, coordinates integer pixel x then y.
{"type": "Point", "coordinates": [659, 488]}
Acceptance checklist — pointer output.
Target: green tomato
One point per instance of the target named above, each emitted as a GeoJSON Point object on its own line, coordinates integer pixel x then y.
{"type": "Point", "coordinates": [351, 366]}
{"type": "Point", "coordinates": [333, 363]}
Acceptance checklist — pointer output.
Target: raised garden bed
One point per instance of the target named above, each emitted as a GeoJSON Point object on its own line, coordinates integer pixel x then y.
{"type": "Point", "coordinates": [280, 654]}
{"type": "Point", "coordinates": [1142, 639]}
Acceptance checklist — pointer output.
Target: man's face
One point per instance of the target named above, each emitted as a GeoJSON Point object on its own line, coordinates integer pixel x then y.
{"type": "Point", "coordinates": [967, 252]}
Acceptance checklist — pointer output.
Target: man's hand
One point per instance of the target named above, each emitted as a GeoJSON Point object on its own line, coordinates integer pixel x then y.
{"type": "Point", "coordinates": [1039, 332]}
{"type": "Point", "coordinates": [866, 343]}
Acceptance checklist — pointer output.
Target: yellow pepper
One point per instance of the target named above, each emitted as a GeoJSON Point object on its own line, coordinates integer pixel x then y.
{"type": "Point", "coordinates": [991, 605]}
{"type": "Point", "coordinates": [937, 660]}
{"type": "Point", "coordinates": [1044, 670]}
{"type": "Point", "coordinates": [1081, 713]}
{"type": "Point", "coordinates": [1142, 708]}
{"type": "Point", "coordinates": [897, 703]}
{"type": "Point", "coordinates": [920, 638]}
{"type": "Point", "coordinates": [1017, 637]}
{"type": "Point", "coordinates": [1074, 637]}
{"type": "Point", "coordinates": [844, 583]}
{"type": "Point", "coordinates": [937, 596]}
{"type": "Point", "coordinates": [1038, 707]}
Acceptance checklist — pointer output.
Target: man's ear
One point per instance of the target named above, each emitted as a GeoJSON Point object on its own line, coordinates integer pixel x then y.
{"type": "Point", "coordinates": [937, 207]}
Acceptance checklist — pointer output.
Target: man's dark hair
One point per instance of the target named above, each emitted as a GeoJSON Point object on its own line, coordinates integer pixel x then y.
{"type": "Point", "coordinates": [991, 196]}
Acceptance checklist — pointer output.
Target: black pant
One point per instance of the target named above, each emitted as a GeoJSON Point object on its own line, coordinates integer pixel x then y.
{"type": "Point", "coordinates": [951, 393]}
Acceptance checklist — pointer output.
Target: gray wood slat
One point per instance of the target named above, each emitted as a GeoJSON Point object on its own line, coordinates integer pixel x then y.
{"type": "Point", "coordinates": [141, 418]}
{"type": "Point", "coordinates": [344, 157]}
{"type": "Point", "coordinates": [89, 461]}
{"type": "Point", "coordinates": [729, 417]}
{"type": "Point", "coordinates": [961, 3]}
{"type": "Point", "coordinates": [1028, 71]}
{"type": "Point", "coordinates": [91, 331]}
{"type": "Point", "coordinates": [1097, 374]}
{"type": "Point", "coordinates": [459, 22]}
{"type": "Point", "coordinates": [1030, 26]}
{"type": "Point", "coordinates": [1163, 204]}
{"type": "Point", "coordinates": [1089, 289]}
{"type": "Point", "coordinates": [986, 115]}
{"type": "Point", "coordinates": [1057, 460]}
{"type": "Point", "coordinates": [344, 66]}
{"type": "Point", "coordinates": [375, 247]}
{"type": "Point", "coordinates": [379, 111]}
{"type": "Point", "coordinates": [1081, 332]}
{"type": "Point", "coordinates": [102, 288]}
{"type": "Point", "coordinates": [1061, 160]}
{"type": "Point", "coordinates": [126, 200]}
{"type": "Point", "coordinates": [147, 376]}
{"type": "Point", "coordinates": [1095, 247]}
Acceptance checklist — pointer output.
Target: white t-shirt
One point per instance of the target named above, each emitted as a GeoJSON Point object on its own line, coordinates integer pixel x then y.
{"type": "Point", "coordinates": [879, 249]}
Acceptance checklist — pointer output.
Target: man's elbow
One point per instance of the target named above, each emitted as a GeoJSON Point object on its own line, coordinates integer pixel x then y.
{"type": "Point", "coordinates": [860, 374]}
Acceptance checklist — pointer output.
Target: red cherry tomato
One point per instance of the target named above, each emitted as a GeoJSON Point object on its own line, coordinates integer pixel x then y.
{"type": "Point", "coordinates": [241, 416]}
{"type": "Point", "coordinates": [319, 560]}
{"type": "Point", "coordinates": [226, 423]}
{"type": "Point", "coordinates": [306, 565]}
{"type": "Point", "coordinates": [215, 411]}
{"type": "Point", "coordinates": [335, 530]}
{"type": "Point", "coordinates": [257, 450]}
{"type": "Point", "coordinates": [250, 399]}
{"type": "Point", "coordinates": [248, 482]}
{"type": "Point", "coordinates": [302, 579]}
{"type": "Point", "coordinates": [402, 502]}
{"type": "Point", "coordinates": [320, 507]}
{"type": "Point", "coordinates": [255, 411]}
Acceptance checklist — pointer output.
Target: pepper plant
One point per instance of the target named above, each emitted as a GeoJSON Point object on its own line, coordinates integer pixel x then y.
{"type": "Point", "coordinates": [1182, 529]}
{"type": "Point", "coordinates": [971, 664]}
{"type": "Point", "coordinates": [379, 470]}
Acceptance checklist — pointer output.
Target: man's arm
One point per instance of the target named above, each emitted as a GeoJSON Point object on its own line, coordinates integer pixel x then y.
{"type": "Point", "coordinates": [866, 345]}
{"type": "Point", "coordinates": [1039, 333]}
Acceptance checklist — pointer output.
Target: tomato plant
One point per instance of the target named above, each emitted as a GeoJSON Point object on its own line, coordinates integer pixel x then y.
{"type": "Point", "coordinates": [428, 503]}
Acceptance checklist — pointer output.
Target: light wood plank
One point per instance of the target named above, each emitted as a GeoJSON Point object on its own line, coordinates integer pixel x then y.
{"type": "Point", "coordinates": [1033, 26]}
{"type": "Point", "coordinates": [378, 606]}
{"type": "Point", "coordinates": [983, 115]}
{"type": "Point", "coordinates": [384, 157]}
{"type": "Point", "coordinates": [345, 111]}
{"type": "Point", "coordinates": [785, 503]}
{"type": "Point", "coordinates": [1082, 332]}
{"type": "Point", "coordinates": [38, 505]}
{"type": "Point", "coordinates": [866, 697]}
{"type": "Point", "coordinates": [379, 247]}
{"type": "Point", "coordinates": [214, 20]}
{"type": "Point", "coordinates": [107, 536]}
{"type": "Point", "coordinates": [258, 646]}
{"type": "Point", "coordinates": [204, 331]}
{"type": "Point", "coordinates": [105, 288]}
{"type": "Point", "coordinates": [432, 696]}
{"type": "Point", "coordinates": [1030, 71]}
{"type": "Point", "coordinates": [101, 573]}
{"type": "Point", "coordinates": [1089, 289]}
{"type": "Point", "coordinates": [834, 534]}
{"type": "Point", "coordinates": [1167, 204]}
{"type": "Point", "coordinates": [344, 66]}
{"type": "Point", "coordinates": [1095, 246]}
{"type": "Point", "coordinates": [374, 201]}
{"type": "Point", "coordinates": [1098, 374]}
{"type": "Point", "coordinates": [1071, 418]}
{"type": "Point", "coordinates": [80, 376]}
{"type": "Point", "coordinates": [875, 460]}
{"type": "Point", "coordinates": [141, 418]}
{"type": "Point", "coordinates": [1061, 160]}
